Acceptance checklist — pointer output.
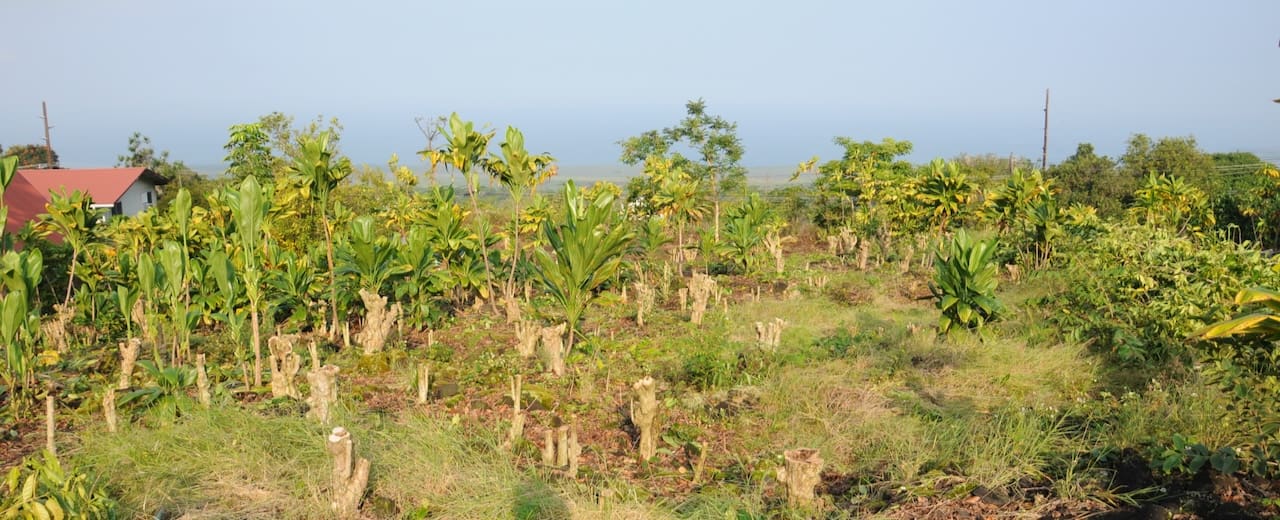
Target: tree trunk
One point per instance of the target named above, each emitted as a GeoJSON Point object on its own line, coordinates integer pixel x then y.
{"type": "Point", "coordinates": [333, 275]}
{"type": "Point", "coordinates": [257, 347]}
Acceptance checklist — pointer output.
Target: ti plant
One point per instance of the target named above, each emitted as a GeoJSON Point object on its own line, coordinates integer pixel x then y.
{"type": "Point", "coordinates": [320, 170]}
{"type": "Point", "coordinates": [19, 323]}
{"type": "Point", "coordinates": [249, 208]}
{"type": "Point", "coordinates": [964, 283]}
{"type": "Point", "coordinates": [75, 219]}
{"type": "Point", "coordinates": [586, 250]}
{"type": "Point", "coordinates": [42, 489]}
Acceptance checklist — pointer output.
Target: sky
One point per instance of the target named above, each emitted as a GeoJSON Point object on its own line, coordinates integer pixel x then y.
{"type": "Point", "coordinates": [579, 76]}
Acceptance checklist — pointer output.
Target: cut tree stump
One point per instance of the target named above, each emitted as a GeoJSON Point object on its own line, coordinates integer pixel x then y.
{"type": "Point", "coordinates": [284, 365]}
{"type": "Point", "coordinates": [644, 414]}
{"type": "Point", "coordinates": [202, 381]}
{"type": "Point", "coordinates": [350, 474]}
{"type": "Point", "coordinates": [324, 391]}
{"type": "Point", "coordinates": [128, 356]}
{"type": "Point", "coordinates": [801, 475]}
{"type": "Point", "coordinates": [379, 321]}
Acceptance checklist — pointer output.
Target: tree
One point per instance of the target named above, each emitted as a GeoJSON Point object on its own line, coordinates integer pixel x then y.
{"type": "Point", "coordinates": [1088, 178]}
{"type": "Point", "coordinates": [75, 219]}
{"type": "Point", "coordinates": [141, 154]}
{"type": "Point", "coordinates": [869, 179]}
{"type": "Point", "coordinates": [713, 139]}
{"type": "Point", "coordinates": [464, 150]}
{"type": "Point", "coordinates": [32, 155]}
{"type": "Point", "coordinates": [518, 170]}
{"type": "Point", "coordinates": [249, 154]}
{"type": "Point", "coordinates": [1171, 156]}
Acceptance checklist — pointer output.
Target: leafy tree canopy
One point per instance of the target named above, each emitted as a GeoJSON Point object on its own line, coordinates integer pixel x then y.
{"type": "Point", "coordinates": [32, 155]}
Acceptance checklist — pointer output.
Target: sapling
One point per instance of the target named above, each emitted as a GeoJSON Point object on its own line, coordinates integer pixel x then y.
{"type": "Point", "coordinates": [350, 474]}
{"type": "Point", "coordinates": [128, 357]}
{"type": "Point", "coordinates": [644, 414]}
{"type": "Point", "coordinates": [379, 321]}
{"type": "Point", "coordinates": [801, 474]}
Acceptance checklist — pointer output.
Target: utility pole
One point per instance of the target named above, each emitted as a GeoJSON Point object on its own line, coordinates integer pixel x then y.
{"type": "Point", "coordinates": [1044, 152]}
{"type": "Point", "coordinates": [48, 146]}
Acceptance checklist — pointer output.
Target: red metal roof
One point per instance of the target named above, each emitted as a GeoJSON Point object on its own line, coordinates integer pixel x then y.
{"type": "Point", "coordinates": [29, 191]}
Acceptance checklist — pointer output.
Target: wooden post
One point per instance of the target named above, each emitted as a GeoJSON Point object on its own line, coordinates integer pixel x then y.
{"type": "Point", "coordinates": [1044, 152]}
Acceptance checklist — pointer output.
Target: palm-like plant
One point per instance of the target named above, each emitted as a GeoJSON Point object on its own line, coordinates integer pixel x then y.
{"type": "Point", "coordinates": [1263, 322]}
{"type": "Point", "coordinates": [464, 150]}
{"type": "Point", "coordinates": [249, 208]}
{"type": "Point", "coordinates": [945, 193]}
{"type": "Point", "coordinates": [1172, 202]}
{"type": "Point", "coordinates": [965, 282]}
{"type": "Point", "coordinates": [586, 249]}
{"type": "Point", "coordinates": [76, 220]}
{"type": "Point", "coordinates": [1017, 197]}
{"type": "Point", "coordinates": [679, 196]}
{"type": "Point", "coordinates": [518, 170]}
{"type": "Point", "coordinates": [370, 258]}
{"type": "Point", "coordinates": [320, 171]}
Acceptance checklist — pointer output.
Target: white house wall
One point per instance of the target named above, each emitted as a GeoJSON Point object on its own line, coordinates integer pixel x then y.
{"type": "Point", "coordinates": [134, 199]}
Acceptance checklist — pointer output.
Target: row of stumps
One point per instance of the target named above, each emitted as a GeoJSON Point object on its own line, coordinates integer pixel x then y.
{"type": "Point", "coordinates": [561, 450]}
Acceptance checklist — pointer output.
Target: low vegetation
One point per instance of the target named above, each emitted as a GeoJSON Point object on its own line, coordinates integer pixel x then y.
{"type": "Point", "coordinates": [894, 340]}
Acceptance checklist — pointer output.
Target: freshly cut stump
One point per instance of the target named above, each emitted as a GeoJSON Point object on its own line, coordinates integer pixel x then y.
{"type": "Point", "coordinates": [202, 381]}
{"type": "Point", "coordinates": [284, 365]}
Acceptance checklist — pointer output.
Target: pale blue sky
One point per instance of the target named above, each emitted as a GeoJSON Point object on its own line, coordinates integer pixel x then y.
{"type": "Point", "coordinates": [577, 76]}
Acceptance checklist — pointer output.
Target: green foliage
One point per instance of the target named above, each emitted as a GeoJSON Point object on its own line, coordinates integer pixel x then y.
{"type": "Point", "coordinates": [744, 231]}
{"type": "Point", "coordinates": [40, 489]}
{"type": "Point", "coordinates": [1170, 156]}
{"type": "Point", "coordinates": [74, 219]}
{"type": "Point", "coordinates": [165, 392]}
{"type": "Point", "coordinates": [964, 283]}
{"type": "Point", "coordinates": [1138, 292]}
{"type": "Point", "coordinates": [371, 258]}
{"type": "Point", "coordinates": [1093, 180]}
{"type": "Point", "coordinates": [1187, 457]}
{"type": "Point", "coordinates": [868, 186]}
{"type": "Point", "coordinates": [712, 140]}
{"type": "Point", "coordinates": [1173, 203]}
{"type": "Point", "coordinates": [945, 194]}
{"type": "Point", "coordinates": [249, 154]}
{"type": "Point", "coordinates": [586, 250]}
{"type": "Point", "coordinates": [30, 155]}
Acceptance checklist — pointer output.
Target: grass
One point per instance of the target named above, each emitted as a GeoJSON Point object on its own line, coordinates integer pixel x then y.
{"type": "Point", "coordinates": [860, 375]}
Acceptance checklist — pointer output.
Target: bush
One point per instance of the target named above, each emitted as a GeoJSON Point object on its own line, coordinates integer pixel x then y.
{"type": "Point", "coordinates": [1138, 292]}
{"type": "Point", "coordinates": [41, 488]}
{"type": "Point", "coordinates": [964, 283]}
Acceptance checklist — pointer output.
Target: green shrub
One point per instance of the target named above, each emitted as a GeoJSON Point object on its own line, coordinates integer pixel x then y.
{"type": "Point", "coordinates": [41, 488]}
{"type": "Point", "coordinates": [964, 284]}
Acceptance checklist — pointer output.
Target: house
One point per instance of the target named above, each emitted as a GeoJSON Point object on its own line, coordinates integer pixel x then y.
{"type": "Point", "coordinates": [121, 191]}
